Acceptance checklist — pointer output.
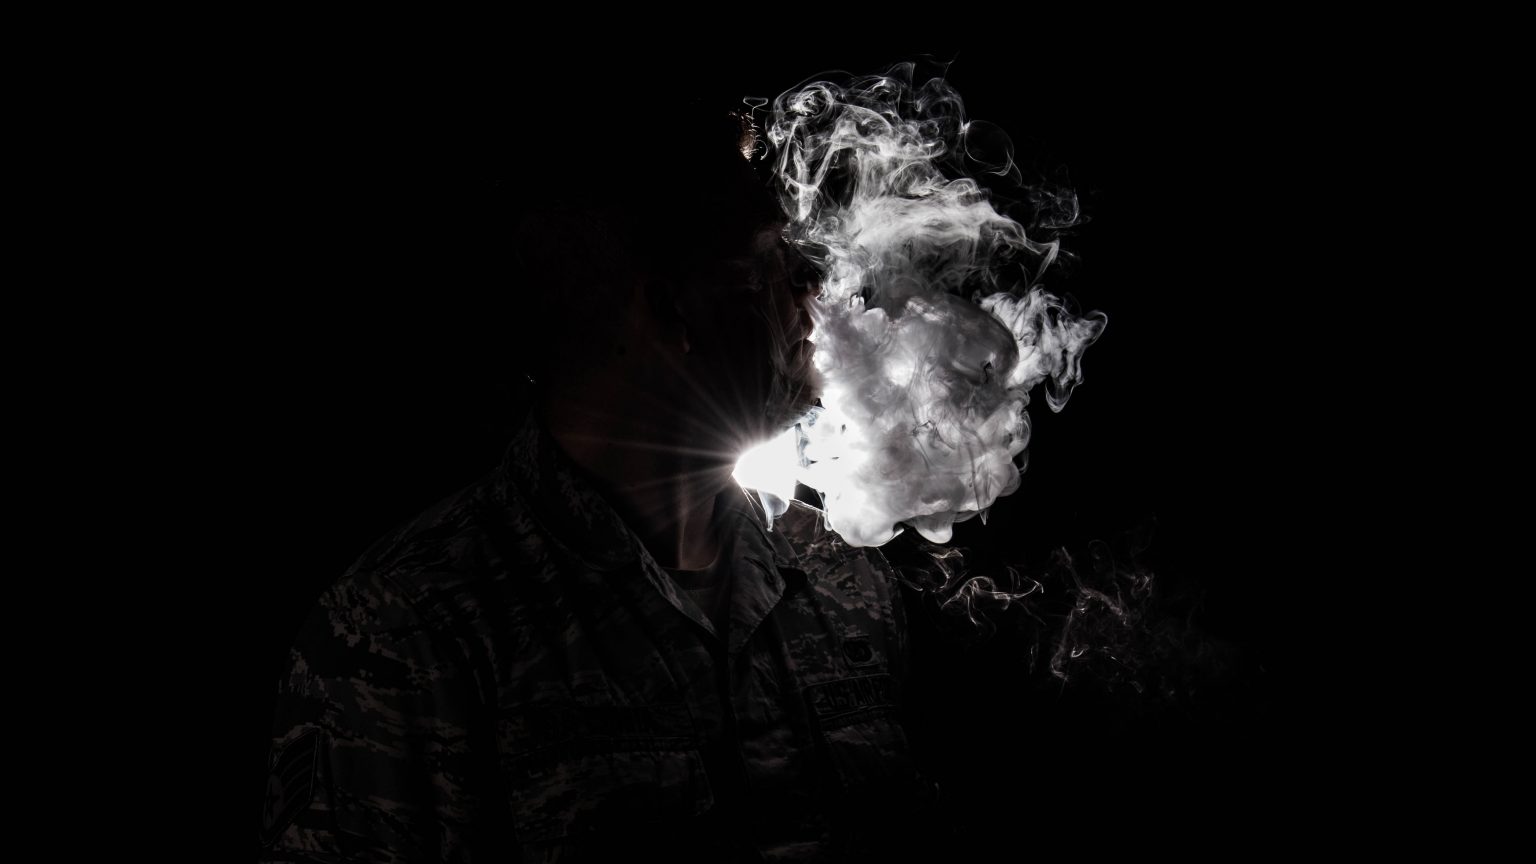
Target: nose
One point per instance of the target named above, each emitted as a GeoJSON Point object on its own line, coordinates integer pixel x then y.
{"type": "Point", "coordinates": [803, 275]}
{"type": "Point", "coordinates": [794, 312]}
{"type": "Point", "coordinates": [804, 319]}
{"type": "Point", "coordinates": [805, 285]}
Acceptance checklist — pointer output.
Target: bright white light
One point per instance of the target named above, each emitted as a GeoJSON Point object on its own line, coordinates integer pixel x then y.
{"type": "Point", "coordinates": [771, 467]}
{"type": "Point", "coordinates": [771, 470]}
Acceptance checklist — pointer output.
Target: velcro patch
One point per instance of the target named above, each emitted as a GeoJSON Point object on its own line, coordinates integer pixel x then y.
{"type": "Point", "coordinates": [838, 702]}
{"type": "Point", "coordinates": [857, 651]}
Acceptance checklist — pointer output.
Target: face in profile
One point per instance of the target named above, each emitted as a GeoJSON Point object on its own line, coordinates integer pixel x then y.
{"type": "Point", "coordinates": [751, 355]}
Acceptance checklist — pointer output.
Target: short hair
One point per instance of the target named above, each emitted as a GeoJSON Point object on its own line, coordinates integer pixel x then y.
{"type": "Point", "coordinates": [614, 195]}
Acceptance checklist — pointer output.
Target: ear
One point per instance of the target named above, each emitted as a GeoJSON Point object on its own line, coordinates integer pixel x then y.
{"type": "Point", "coordinates": [663, 305]}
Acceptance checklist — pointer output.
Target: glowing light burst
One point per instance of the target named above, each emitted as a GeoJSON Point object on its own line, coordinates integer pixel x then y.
{"type": "Point", "coordinates": [772, 469]}
{"type": "Point", "coordinates": [930, 330]}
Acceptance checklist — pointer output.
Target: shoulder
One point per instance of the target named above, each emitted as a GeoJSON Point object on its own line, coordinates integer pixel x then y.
{"type": "Point", "coordinates": [425, 568]}
{"type": "Point", "coordinates": [396, 614]}
{"type": "Point", "coordinates": [390, 618]}
{"type": "Point", "coordinates": [853, 584]}
{"type": "Point", "coordinates": [823, 552]}
{"type": "Point", "coordinates": [807, 531]}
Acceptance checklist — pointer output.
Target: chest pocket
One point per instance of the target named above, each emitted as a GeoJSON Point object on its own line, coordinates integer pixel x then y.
{"type": "Point", "coordinates": [577, 773]}
{"type": "Point", "coordinates": [879, 803]}
{"type": "Point", "coordinates": [855, 720]}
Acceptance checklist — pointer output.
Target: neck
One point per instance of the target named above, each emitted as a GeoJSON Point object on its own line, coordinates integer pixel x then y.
{"type": "Point", "coordinates": [665, 490]}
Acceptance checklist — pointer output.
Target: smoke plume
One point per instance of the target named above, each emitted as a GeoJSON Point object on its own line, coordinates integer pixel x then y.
{"type": "Point", "coordinates": [933, 327]}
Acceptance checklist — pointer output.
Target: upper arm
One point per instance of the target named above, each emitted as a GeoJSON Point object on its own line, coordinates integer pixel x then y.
{"type": "Point", "coordinates": [379, 746]}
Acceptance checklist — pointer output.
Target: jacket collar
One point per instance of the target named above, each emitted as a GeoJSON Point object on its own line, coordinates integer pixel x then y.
{"type": "Point", "coordinates": [563, 499]}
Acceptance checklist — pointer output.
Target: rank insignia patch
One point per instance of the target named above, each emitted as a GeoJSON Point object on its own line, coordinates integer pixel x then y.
{"type": "Point", "coordinates": [290, 784]}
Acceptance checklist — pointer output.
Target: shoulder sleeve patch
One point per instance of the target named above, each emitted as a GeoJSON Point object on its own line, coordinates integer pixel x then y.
{"type": "Point", "coordinates": [290, 783]}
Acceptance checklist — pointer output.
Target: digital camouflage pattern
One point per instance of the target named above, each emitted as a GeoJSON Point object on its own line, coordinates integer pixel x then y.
{"type": "Point", "coordinates": [511, 676]}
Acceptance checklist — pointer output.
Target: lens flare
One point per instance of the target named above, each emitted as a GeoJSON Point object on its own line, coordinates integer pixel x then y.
{"type": "Point", "coordinates": [771, 470]}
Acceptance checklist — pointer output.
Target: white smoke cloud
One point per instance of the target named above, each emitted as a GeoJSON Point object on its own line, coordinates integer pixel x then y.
{"type": "Point", "coordinates": [932, 328]}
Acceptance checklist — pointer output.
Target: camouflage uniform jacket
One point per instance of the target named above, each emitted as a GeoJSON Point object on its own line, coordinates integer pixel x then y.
{"type": "Point", "coordinates": [511, 676]}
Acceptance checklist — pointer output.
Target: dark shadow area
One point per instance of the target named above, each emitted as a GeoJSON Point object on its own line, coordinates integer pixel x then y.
{"type": "Point", "coordinates": [373, 382]}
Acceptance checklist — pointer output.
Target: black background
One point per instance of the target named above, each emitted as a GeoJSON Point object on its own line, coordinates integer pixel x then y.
{"type": "Point", "coordinates": [368, 385]}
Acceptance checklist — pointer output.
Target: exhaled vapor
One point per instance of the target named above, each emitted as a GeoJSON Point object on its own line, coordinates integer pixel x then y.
{"type": "Point", "coordinates": [932, 328]}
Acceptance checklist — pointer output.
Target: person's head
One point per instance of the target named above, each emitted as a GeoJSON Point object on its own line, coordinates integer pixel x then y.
{"type": "Point", "coordinates": [654, 256]}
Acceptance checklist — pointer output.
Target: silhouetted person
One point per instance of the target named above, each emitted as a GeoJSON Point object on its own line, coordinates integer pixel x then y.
{"type": "Point", "coordinates": [602, 650]}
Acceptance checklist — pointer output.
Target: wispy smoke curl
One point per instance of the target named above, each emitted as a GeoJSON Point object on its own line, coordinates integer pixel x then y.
{"type": "Point", "coordinates": [1095, 617]}
{"type": "Point", "coordinates": [933, 326]}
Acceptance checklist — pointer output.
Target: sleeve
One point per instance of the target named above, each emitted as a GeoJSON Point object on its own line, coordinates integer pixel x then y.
{"type": "Point", "coordinates": [381, 751]}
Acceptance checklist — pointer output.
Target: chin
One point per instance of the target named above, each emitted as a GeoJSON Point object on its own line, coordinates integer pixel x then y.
{"type": "Point", "coordinates": [798, 396]}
